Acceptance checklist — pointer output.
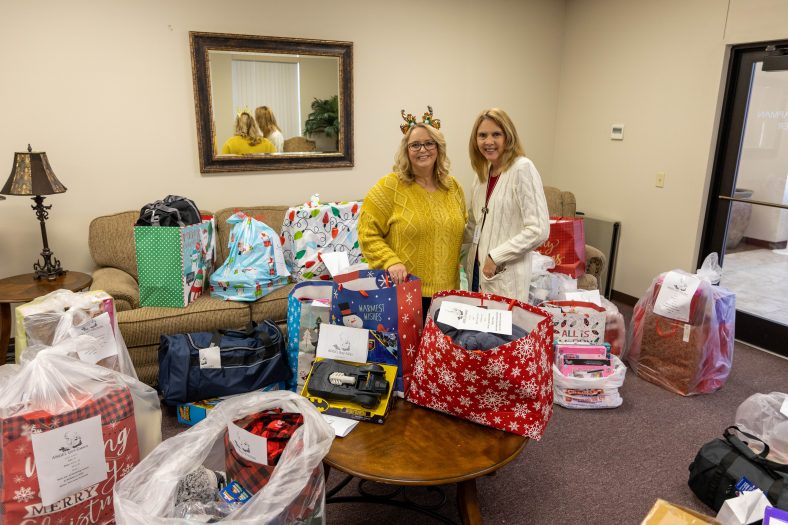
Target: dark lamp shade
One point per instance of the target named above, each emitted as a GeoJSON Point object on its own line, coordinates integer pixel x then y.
{"type": "Point", "coordinates": [32, 175]}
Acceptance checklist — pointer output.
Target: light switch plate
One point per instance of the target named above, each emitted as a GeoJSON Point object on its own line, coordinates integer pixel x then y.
{"type": "Point", "coordinates": [617, 132]}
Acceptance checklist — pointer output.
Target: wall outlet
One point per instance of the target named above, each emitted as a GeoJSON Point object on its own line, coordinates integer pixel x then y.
{"type": "Point", "coordinates": [660, 180]}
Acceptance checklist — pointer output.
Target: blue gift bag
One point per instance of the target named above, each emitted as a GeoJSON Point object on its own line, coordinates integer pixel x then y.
{"type": "Point", "coordinates": [255, 265]}
{"type": "Point", "coordinates": [308, 305]}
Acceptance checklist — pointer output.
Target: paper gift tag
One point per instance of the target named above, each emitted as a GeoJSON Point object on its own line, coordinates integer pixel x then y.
{"type": "Point", "coordinates": [210, 357]}
{"type": "Point", "coordinates": [69, 459]}
{"type": "Point", "coordinates": [466, 317]}
{"type": "Point", "coordinates": [343, 343]}
{"type": "Point", "coordinates": [249, 446]}
{"type": "Point", "coordinates": [99, 328]}
{"type": "Point", "coordinates": [743, 509]}
{"type": "Point", "coordinates": [675, 296]}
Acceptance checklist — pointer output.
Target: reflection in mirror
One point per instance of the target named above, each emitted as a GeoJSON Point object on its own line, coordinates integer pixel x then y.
{"type": "Point", "coordinates": [272, 103]}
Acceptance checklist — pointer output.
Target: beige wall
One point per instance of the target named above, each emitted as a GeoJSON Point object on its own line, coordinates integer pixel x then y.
{"type": "Point", "coordinates": [657, 68]}
{"type": "Point", "coordinates": [105, 88]}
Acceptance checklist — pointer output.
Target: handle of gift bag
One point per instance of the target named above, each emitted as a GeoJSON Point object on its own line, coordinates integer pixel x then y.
{"type": "Point", "coordinates": [665, 333]}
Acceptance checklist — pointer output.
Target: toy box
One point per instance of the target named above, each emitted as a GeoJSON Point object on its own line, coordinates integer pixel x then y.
{"type": "Point", "coordinates": [364, 400]}
{"type": "Point", "coordinates": [194, 412]}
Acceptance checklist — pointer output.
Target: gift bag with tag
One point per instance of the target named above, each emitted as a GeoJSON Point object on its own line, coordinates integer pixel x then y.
{"type": "Point", "coordinates": [308, 305]}
{"type": "Point", "coordinates": [369, 299]}
{"type": "Point", "coordinates": [69, 433]}
{"type": "Point", "coordinates": [315, 228]}
{"type": "Point", "coordinates": [254, 267]}
{"type": "Point", "coordinates": [173, 262]}
{"type": "Point", "coordinates": [576, 321]}
{"type": "Point", "coordinates": [681, 334]}
{"type": "Point", "coordinates": [567, 245]}
{"type": "Point", "coordinates": [478, 371]}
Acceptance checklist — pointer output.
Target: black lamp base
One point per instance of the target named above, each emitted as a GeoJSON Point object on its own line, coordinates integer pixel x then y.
{"type": "Point", "coordinates": [49, 270]}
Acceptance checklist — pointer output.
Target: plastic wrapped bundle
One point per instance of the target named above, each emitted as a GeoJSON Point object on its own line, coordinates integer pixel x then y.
{"type": "Point", "coordinates": [761, 415]}
{"type": "Point", "coordinates": [63, 314]}
{"type": "Point", "coordinates": [685, 346]}
{"type": "Point", "coordinates": [615, 328]}
{"type": "Point", "coordinates": [147, 495]}
{"type": "Point", "coordinates": [70, 431]}
{"type": "Point", "coordinates": [589, 392]}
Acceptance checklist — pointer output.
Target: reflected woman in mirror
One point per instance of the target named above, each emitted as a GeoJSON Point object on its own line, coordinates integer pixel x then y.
{"type": "Point", "coordinates": [412, 220]}
{"type": "Point", "coordinates": [508, 215]}
{"type": "Point", "coordinates": [247, 138]}
{"type": "Point", "coordinates": [266, 121]}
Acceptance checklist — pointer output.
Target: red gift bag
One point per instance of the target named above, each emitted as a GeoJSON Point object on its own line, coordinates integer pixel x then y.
{"type": "Point", "coordinates": [567, 245]}
{"type": "Point", "coordinates": [19, 486]}
{"type": "Point", "coordinates": [509, 387]}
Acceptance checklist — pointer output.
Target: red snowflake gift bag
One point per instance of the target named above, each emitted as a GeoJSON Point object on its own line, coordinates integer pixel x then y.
{"type": "Point", "coordinates": [68, 435]}
{"type": "Point", "coordinates": [501, 381]}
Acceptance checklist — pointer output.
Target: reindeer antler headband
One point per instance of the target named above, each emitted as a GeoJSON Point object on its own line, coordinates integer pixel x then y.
{"type": "Point", "coordinates": [427, 118]}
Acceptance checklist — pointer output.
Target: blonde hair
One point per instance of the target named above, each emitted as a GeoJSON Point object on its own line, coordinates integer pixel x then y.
{"type": "Point", "coordinates": [512, 146]}
{"type": "Point", "coordinates": [266, 120]}
{"type": "Point", "coordinates": [245, 127]}
{"type": "Point", "coordinates": [440, 172]}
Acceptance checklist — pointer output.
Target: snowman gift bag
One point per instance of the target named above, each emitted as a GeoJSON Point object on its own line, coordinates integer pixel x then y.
{"type": "Point", "coordinates": [369, 299]}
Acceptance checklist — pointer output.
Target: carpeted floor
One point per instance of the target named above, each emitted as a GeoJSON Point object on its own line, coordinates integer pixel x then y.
{"type": "Point", "coordinates": [597, 466]}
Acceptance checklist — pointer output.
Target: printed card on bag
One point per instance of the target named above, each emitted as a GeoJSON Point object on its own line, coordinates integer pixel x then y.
{"type": "Point", "coordinates": [210, 357]}
{"type": "Point", "coordinates": [343, 343]}
{"type": "Point", "coordinates": [69, 459]}
{"type": "Point", "coordinates": [467, 317]}
{"type": "Point", "coordinates": [247, 445]}
{"type": "Point", "coordinates": [675, 296]}
{"type": "Point", "coordinates": [99, 327]}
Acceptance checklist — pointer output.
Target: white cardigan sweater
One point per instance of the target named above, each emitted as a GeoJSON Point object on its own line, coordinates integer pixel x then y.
{"type": "Point", "coordinates": [517, 222]}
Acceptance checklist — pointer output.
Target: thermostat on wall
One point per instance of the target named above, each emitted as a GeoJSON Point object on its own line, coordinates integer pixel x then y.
{"type": "Point", "coordinates": [617, 132]}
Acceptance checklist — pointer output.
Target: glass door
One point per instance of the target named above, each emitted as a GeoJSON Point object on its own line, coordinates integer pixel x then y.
{"type": "Point", "coordinates": [747, 209]}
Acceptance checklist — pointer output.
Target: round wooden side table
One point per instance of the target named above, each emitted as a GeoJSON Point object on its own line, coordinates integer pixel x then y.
{"type": "Point", "coordinates": [421, 447]}
{"type": "Point", "coordinates": [24, 288]}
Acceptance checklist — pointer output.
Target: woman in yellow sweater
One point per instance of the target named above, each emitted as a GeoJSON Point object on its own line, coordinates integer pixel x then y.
{"type": "Point", "coordinates": [412, 220]}
{"type": "Point", "coordinates": [247, 138]}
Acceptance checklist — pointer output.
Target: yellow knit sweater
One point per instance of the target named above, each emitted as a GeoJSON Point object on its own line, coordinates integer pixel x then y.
{"type": "Point", "coordinates": [401, 222]}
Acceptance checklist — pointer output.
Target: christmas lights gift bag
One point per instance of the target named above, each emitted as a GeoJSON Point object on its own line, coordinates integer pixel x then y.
{"type": "Point", "coordinates": [289, 494]}
{"type": "Point", "coordinates": [316, 228]}
{"type": "Point", "coordinates": [69, 431]}
{"type": "Point", "coordinates": [576, 321]}
{"type": "Point", "coordinates": [369, 299]}
{"type": "Point", "coordinates": [173, 262]}
{"type": "Point", "coordinates": [567, 245]}
{"type": "Point", "coordinates": [308, 305]}
{"type": "Point", "coordinates": [487, 359]}
{"type": "Point", "coordinates": [254, 267]}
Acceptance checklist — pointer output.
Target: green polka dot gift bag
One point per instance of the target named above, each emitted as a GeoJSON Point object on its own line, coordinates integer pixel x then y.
{"type": "Point", "coordinates": [173, 263]}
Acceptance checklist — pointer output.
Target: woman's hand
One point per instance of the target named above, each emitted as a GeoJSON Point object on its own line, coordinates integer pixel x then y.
{"type": "Point", "coordinates": [489, 267]}
{"type": "Point", "coordinates": [398, 273]}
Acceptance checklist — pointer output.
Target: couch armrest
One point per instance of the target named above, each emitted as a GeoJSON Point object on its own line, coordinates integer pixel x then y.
{"type": "Point", "coordinates": [120, 285]}
{"type": "Point", "coordinates": [595, 262]}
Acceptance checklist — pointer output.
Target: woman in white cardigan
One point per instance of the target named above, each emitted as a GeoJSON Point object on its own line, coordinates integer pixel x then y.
{"type": "Point", "coordinates": [508, 215]}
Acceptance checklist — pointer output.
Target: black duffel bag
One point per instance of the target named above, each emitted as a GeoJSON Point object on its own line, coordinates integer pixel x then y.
{"type": "Point", "coordinates": [172, 210]}
{"type": "Point", "coordinates": [200, 365]}
{"type": "Point", "coordinates": [720, 464]}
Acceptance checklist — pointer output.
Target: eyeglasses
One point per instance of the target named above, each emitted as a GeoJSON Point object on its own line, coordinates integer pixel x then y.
{"type": "Point", "coordinates": [416, 146]}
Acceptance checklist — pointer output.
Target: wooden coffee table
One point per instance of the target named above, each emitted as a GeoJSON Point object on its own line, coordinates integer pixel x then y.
{"type": "Point", "coordinates": [23, 289]}
{"type": "Point", "coordinates": [418, 446]}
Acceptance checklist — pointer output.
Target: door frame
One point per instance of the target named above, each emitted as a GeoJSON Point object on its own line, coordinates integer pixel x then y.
{"type": "Point", "coordinates": [749, 328]}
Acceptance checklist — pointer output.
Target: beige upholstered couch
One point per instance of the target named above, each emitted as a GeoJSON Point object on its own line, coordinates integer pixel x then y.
{"type": "Point", "coordinates": [111, 242]}
{"type": "Point", "coordinates": [563, 204]}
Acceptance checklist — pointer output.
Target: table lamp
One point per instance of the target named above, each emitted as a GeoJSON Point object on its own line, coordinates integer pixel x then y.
{"type": "Point", "coordinates": [31, 174]}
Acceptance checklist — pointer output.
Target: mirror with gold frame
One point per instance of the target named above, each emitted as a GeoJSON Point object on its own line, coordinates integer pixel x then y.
{"type": "Point", "coordinates": [308, 84]}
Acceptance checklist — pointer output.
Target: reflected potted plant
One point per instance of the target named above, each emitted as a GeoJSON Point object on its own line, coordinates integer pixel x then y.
{"type": "Point", "coordinates": [322, 124]}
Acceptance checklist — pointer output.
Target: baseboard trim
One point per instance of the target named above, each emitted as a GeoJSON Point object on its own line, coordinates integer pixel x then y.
{"type": "Point", "coordinates": [623, 298]}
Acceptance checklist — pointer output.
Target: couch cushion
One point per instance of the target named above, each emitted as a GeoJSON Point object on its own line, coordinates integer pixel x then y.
{"type": "Point", "coordinates": [272, 307]}
{"type": "Point", "coordinates": [560, 203]}
{"type": "Point", "coordinates": [273, 216]}
{"type": "Point", "coordinates": [111, 241]}
{"type": "Point", "coordinates": [144, 326]}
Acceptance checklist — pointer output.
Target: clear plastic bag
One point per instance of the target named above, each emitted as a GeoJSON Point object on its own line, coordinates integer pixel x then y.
{"type": "Point", "coordinates": [615, 328]}
{"type": "Point", "coordinates": [147, 495]}
{"type": "Point", "coordinates": [692, 357]}
{"type": "Point", "coordinates": [63, 314]}
{"type": "Point", "coordinates": [760, 415]}
{"type": "Point", "coordinates": [589, 392]}
{"type": "Point", "coordinates": [53, 392]}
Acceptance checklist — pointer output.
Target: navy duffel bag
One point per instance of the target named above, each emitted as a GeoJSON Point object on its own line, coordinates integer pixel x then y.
{"type": "Point", "coordinates": [200, 365]}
